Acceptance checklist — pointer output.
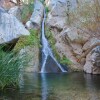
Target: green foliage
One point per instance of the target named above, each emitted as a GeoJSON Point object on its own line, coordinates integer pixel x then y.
{"type": "Point", "coordinates": [52, 42]}
{"type": "Point", "coordinates": [10, 66]}
{"type": "Point", "coordinates": [47, 9]}
{"type": "Point", "coordinates": [32, 39]}
{"type": "Point", "coordinates": [65, 61]}
{"type": "Point", "coordinates": [42, 1]}
{"type": "Point", "coordinates": [26, 12]}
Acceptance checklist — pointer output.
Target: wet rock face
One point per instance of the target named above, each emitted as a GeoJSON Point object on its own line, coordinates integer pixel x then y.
{"type": "Point", "coordinates": [10, 27]}
{"type": "Point", "coordinates": [36, 18]}
{"type": "Point", "coordinates": [51, 66]}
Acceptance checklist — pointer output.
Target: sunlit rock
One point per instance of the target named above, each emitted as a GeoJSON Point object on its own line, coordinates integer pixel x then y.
{"type": "Point", "coordinates": [10, 28]}
{"type": "Point", "coordinates": [37, 15]}
{"type": "Point", "coordinates": [16, 11]}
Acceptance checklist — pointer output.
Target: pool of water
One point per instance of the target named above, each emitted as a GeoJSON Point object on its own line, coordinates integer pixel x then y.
{"type": "Point", "coordinates": [72, 86]}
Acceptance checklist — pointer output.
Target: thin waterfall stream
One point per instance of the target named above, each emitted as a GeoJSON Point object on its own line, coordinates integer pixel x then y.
{"type": "Point", "coordinates": [49, 63]}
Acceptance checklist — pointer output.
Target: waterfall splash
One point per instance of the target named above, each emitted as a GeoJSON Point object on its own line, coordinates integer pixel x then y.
{"type": "Point", "coordinates": [47, 54]}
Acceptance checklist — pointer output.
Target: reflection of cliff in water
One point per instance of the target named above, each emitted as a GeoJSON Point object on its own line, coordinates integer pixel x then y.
{"type": "Point", "coordinates": [73, 86]}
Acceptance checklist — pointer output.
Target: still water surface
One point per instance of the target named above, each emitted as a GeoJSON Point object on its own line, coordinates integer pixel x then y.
{"type": "Point", "coordinates": [72, 86]}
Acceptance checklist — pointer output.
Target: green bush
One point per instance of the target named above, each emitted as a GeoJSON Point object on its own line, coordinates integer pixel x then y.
{"type": "Point", "coordinates": [32, 39]}
{"type": "Point", "coordinates": [26, 12]}
{"type": "Point", "coordinates": [11, 65]}
{"type": "Point", "coordinates": [47, 10]}
{"type": "Point", "coordinates": [65, 61]}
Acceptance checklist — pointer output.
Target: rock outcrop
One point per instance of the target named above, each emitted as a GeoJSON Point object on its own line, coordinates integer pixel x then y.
{"type": "Point", "coordinates": [33, 53]}
{"type": "Point", "coordinates": [7, 4]}
{"type": "Point", "coordinates": [36, 18]}
{"type": "Point", "coordinates": [73, 41]}
{"type": "Point", "coordinates": [10, 27]}
{"type": "Point", "coordinates": [57, 16]}
{"type": "Point", "coordinates": [92, 64]}
{"type": "Point", "coordinates": [16, 11]}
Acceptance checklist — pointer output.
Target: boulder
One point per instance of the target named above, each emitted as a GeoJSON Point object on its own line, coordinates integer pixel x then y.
{"type": "Point", "coordinates": [90, 43]}
{"type": "Point", "coordinates": [33, 54]}
{"type": "Point", "coordinates": [16, 11]}
{"type": "Point", "coordinates": [10, 28]}
{"type": "Point", "coordinates": [92, 64]}
{"type": "Point", "coordinates": [37, 15]}
{"type": "Point", "coordinates": [50, 3]}
{"type": "Point", "coordinates": [15, 1]}
{"type": "Point", "coordinates": [56, 22]}
{"type": "Point", "coordinates": [83, 36]}
{"type": "Point", "coordinates": [29, 25]}
{"type": "Point", "coordinates": [70, 34]}
{"type": "Point", "coordinates": [75, 35]}
{"type": "Point", "coordinates": [88, 65]}
{"type": "Point", "coordinates": [57, 16]}
{"type": "Point", "coordinates": [64, 49]}
{"type": "Point", "coordinates": [96, 56]}
{"type": "Point", "coordinates": [7, 4]}
{"type": "Point", "coordinates": [77, 48]}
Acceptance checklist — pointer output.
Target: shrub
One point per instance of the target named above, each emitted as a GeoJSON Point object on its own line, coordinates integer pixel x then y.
{"type": "Point", "coordinates": [65, 61]}
{"type": "Point", "coordinates": [32, 39]}
{"type": "Point", "coordinates": [26, 12]}
{"type": "Point", "coordinates": [11, 65]}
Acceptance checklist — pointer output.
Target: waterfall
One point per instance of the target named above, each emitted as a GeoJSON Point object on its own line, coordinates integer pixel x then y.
{"type": "Point", "coordinates": [47, 52]}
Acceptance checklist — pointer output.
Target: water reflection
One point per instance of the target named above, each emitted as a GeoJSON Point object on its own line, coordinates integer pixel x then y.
{"type": "Point", "coordinates": [72, 86]}
{"type": "Point", "coordinates": [44, 86]}
{"type": "Point", "coordinates": [91, 87]}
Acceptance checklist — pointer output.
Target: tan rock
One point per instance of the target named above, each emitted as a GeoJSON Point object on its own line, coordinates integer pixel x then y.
{"type": "Point", "coordinates": [37, 15]}
{"type": "Point", "coordinates": [66, 51]}
{"type": "Point", "coordinates": [33, 53]}
{"type": "Point", "coordinates": [83, 36]}
{"type": "Point", "coordinates": [57, 22]}
{"type": "Point", "coordinates": [70, 34]}
{"type": "Point", "coordinates": [6, 4]}
{"type": "Point", "coordinates": [77, 48]}
{"type": "Point", "coordinates": [90, 43]}
{"type": "Point", "coordinates": [88, 65]}
{"type": "Point", "coordinates": [92, 64]}
{"type": "Point", "coordinates": [57, 16]}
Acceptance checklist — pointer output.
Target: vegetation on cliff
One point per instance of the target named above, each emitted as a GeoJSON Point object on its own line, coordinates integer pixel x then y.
{"type": "Point", "coordinates": [32, 39]}
{"type": "Point", "coordinates": [52, 41]}
{"type": "Point", "coordinates": [11, 65]}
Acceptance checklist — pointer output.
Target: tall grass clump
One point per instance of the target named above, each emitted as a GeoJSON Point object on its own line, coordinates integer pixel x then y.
{"type": "Point", "coordinates": [11, 65]}
{"type": "Point", "coordinates": [31, 40]}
